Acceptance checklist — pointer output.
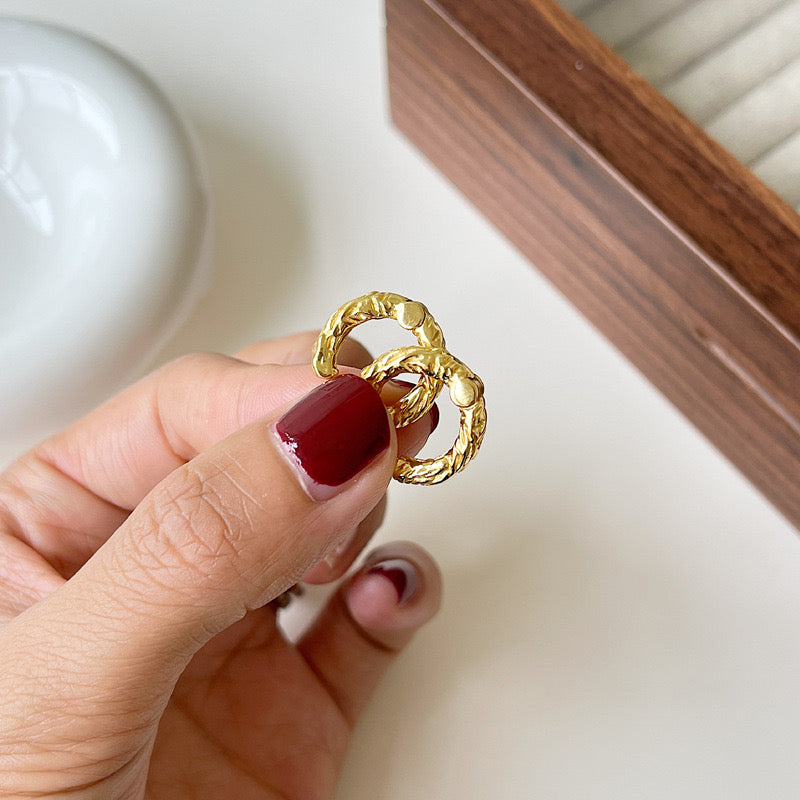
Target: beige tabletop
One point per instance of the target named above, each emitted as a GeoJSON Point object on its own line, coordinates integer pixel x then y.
{"type": "Point", "coordinates": [622, 609]}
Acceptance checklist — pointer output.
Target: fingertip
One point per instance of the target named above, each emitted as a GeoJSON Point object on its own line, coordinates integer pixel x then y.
{"type": "Point", "coordinates": [412, 438]}
{"type": "Point", "coordinates": [297, 349]}
{"type": "Point", "coordinates": [369, 620]}
{"type": "Point", "coordinates": [396, 592]}
{"type": "Point", "coordinates": [434, 418]}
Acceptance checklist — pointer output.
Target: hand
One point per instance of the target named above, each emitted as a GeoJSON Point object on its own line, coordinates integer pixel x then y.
{"type": "Point", "coordinates": [139, 551]}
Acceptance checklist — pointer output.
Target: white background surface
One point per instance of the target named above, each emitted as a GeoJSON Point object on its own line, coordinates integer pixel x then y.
{"type": "Point", "coordinates": [622, 609]}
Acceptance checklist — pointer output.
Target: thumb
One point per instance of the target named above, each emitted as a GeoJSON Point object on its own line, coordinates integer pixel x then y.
{"type": "Point", "coordinates": [226, 532]}
{"type": "Point", "coordinates": [241, 523]}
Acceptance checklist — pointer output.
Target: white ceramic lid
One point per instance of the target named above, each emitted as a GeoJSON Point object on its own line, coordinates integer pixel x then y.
{"type": "Point", "coordinates": [104, 224]}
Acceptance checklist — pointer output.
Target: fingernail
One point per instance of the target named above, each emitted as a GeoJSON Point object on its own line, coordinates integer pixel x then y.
{"type": "Point", "coordinates": [335, 431]}
{"type": "Point", "coordinates": [401, 574]}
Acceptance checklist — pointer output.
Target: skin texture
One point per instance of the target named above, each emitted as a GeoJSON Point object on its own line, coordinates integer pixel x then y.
{"type": "Point", "coordinates": [139, 550]}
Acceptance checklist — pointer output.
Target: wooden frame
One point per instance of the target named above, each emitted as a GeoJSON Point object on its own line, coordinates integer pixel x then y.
{"type": "Point", "coordinates": [663, 240]}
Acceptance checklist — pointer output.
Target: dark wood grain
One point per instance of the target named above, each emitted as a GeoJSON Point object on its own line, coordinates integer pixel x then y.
{"type": "Point", "coordinates": [668, 245]}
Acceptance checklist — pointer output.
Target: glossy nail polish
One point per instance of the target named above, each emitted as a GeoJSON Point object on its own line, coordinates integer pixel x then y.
{"type": "Point", "coordinates": [335, 431]}
{"type": "Point", "coordinates": [401, 574]}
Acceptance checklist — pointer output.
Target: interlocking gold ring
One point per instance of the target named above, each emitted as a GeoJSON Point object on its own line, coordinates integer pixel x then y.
{"type": "Point", "coordinates": [466, 392]}
{"type": "Point", "coordinates": [435, 366]}
{"type": "Point", "coordinates": [412, 316]}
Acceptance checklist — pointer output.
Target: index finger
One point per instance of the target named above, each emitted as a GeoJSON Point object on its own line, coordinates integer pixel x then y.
{"type": "Point", "coordinates": [65, 497]}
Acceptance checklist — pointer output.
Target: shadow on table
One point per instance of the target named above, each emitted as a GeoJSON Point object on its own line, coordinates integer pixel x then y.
{"type": "Point", "coordinates": [259, 243]}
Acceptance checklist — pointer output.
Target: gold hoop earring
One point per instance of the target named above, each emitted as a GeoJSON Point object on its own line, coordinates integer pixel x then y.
{"type": "Point", "coordinates": [466, 392]}
{"type": "Point", "coordinates": [430, 360]}
{"type": "Point", "coordinates": [412, 316]}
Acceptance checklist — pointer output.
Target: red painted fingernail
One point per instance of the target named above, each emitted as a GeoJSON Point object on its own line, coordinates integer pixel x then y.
{"type": "Point", "coordinates": [401, 574]}
{"type": "Point", "coordinates": [335, 430]}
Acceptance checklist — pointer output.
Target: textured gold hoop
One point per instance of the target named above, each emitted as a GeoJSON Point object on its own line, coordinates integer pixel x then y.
{"type": "Point", "coordinates": [412, 316]}
{"type": "Point", "coordinates": [466, 392]}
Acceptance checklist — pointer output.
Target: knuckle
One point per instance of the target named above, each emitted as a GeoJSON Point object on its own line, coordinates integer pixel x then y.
{"type": "Point", "coordinates": [195, 366]}
{"type": "Point", "coordinates": [194, 361]}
